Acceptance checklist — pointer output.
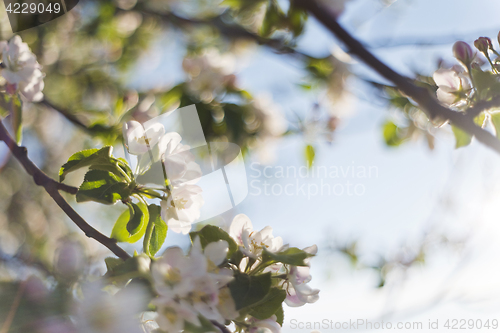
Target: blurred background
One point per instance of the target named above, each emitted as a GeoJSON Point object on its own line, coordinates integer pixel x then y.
{"type": "Point", "coordinates": [407, 226]}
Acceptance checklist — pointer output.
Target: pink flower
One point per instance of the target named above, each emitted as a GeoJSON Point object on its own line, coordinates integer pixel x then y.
{"type": "Point", "coordinates": [453, 84]}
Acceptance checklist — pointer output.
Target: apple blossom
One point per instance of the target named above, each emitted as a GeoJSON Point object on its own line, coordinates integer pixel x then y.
{"type": "Point", "coordinates": [182, 207]}
{"type": "Point", "coordinates": [104, 313]}
{"type": "Point", "coordinates": [453, 84]}
{"type": "Point", "coordinates": [179, 161]}
{"type": "Point", "coordinates": [138, 139]}
{"type": "Point", "coordinates": [463, 52]}
{"type": "Point", "coordinates": [298, 292]}
{"type": "Point", "coordinates": [268, 325]}
{"type": "Point", "coordinates": [21, 69]}
{"type": "Point", "coordinates": [272, 126]}
{"type": "Point", "coordinates": [209, 73]}
{"type": "Point", "coordinates": [189, 286]}
{"type": "Point", "coordinates": [251, 242]}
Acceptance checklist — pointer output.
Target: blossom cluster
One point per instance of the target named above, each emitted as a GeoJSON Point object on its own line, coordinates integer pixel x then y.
{"type": "Point", "coordinates": [181, 206]}
{"type": "Point", "coordinates": [21, 70]}
{"type": "Point", "coordinates": [226, 277]}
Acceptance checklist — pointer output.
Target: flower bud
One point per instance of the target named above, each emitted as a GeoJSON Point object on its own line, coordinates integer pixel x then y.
{"type": "Point", "coordinates": [483, 44]}
{"type": "Point", "coordinates": [463, 52]}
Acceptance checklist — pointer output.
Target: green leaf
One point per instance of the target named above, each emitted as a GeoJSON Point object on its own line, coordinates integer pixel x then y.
{"type": "Point", "coordinates": [310, 154]}
{"type": "Point", "coordinates": [462, 138]}
{"type": "Point", "coordinates": [206, 326]}
{"type": "Point", "coordinates": [495, 120]}
{"type": "Point", "coordinates": [159, 230]}
{"type": "Point", "coordinates": [131, 229]}
{"type": "Point", "coordinates": [211, 233]}
{"type": "Point", "coordinates": [124, 270]}
{"type": "Point", "coordinates": [85, 158]}
{"type": "Point", "coordinates": [320, 67]}
{"type": "Point", "coordinates": [269, 305]}
{"type": "Point", "coordinates": [291, 256]}
{"type": "Point", "coordinates": [280, 315]}
{"type": "Point", "coordinates": [297, 18]}
{"type": "Point", "coordinates": [103, 187]}
{"type": "Point", "coordinates": [112, 263]}
{"type": "Point", "coordinates": [392, 134]}
{"type": "Point", "coordinates": [247, 290]}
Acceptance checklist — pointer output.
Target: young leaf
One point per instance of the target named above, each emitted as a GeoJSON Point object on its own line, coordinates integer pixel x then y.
{"type": "Point", "coordinates": [211, 233]}
{"type": "Point", "coordinates": [291, 256]}
{"type": "Point", "coordinates": [495, 119]}
{"type": "Point", "coordinates": [310, 155]}
{"type": "Point", "coordinates": [85, 158]}
{"type": "Point", "coordinates": [392, 134]}
{"type": "Point", "coordinates": [158, 232]}
{"type": "Point", "coordinates": [247, 290]}
{"type": "Point", "coordinates": [131, 228]}
{"type": "Point", "coordinates": [103, 187]}
{"type": "Point", "coordinates": [462, 138]}
{"type": "Point", "coordinates": [269, 305]}
{"type": "Point", "coordinates": [280, 315]}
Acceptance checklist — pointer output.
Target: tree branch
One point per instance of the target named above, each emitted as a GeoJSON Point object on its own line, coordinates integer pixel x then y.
{"type": "Point", "coordinates": [420, 95]}
{"type": "Point", "coordinates": [222, 328]}
{"type": "Point", "coordinates": [229, 30]}
{"type": "Point", "coordinates": [52, 187]}
{"type": "Point", "coordinates": [72, 118]}
{"type": "Point", "coordinates": [483, 106]}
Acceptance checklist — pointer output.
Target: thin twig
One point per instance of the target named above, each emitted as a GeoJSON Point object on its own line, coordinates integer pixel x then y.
{"type": "Point", "coordinates": [13, 309]}
{"type": "Point", "coordinates": [74, 119]}
{"type": "Point", "coordinates": [420, 95]}
{"type": "Point", "coordinates": [52, 187]}
{"type": "Point", "coordinates": [229, 30]}
{"type": "Point", "coordinates": [68, 115]}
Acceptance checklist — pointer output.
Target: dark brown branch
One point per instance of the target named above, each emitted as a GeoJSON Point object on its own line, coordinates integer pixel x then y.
{"type": "Point", "coordinates": [74, 119]}
{"type": "Point", "coordinates": [52, 187]}
{"type": "Point", "coordinates": [68, 115]}
{"type": "Point", "coordinates": [222, 328]}
{"type": "Point", "coordinates": [421, 96]}
{"type": "Point", "coordinates": [483, 106]}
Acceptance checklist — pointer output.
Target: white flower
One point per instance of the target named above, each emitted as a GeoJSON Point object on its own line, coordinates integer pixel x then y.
{"type": "Point", "coordinates": [210, 73]}
{"type": "Point", "coordinates": [189, 285]}
{"type": "Point", "coordinates": [272, 125]}
{"type": "Point", "coordinates": [100, 312]}
{"type": "Point", "coordinates": [179, 162]}
{"type": "Point", "coordinates": [137, 137]}
{"type": "Point", "coordinates": [298, 291]}
{"type": "Point", "coordinates": [227, 307]}
{"type": "Point", "coordinates": [182, 207]}
{"type": "Point", "coordinates": [251, 242]}
{"type": "Point", "coordinates": [171, 315]}
{"type": "Point", "coordinates": [21, 69]}
{"type": "Point", "coordinates": [453, 84]}
{"type": "Point", "coordinates": [268, 325]}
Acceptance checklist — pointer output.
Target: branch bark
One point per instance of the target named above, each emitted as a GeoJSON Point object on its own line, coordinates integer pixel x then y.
{"type": "Point", "coordinates": [52, 187]}
{"type": "Point", "coordinates": [420, 95]}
